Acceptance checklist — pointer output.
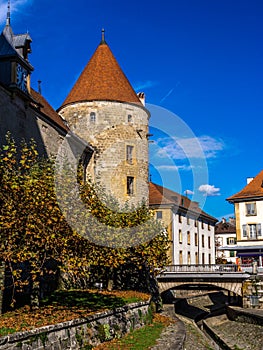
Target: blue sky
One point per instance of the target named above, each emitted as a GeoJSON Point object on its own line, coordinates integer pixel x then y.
{"type": "Point", "coordinates": [199, 61]}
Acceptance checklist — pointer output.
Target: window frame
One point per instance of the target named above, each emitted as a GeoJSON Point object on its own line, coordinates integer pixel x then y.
{"type": "Point", "coordinates": [180, 236]}
{"type": "Point", "coordinates": [159, 215]}
{"type": "Point", "coordinates": [188, 237]}
{"type": "Point", "coordinates": [129, 154]}
{"type": "Point", "coordinates": [251, 212]}
{"type": "Point", "coordinates": [92, 117]}
{"type": "Point", "coordinates": [249, 234]}
{"type": "Point", "coordinates": [130, 190]}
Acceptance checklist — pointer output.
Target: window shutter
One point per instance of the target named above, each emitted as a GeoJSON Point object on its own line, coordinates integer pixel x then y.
{"type": "Point", "coordinates": [259, 229]}
{"type": "Point", "coordinates": [244, 227]}
{"type": "Point", "coordinates": [227, 240]}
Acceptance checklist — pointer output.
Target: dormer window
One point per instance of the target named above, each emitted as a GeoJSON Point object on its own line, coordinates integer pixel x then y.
{"type": "Point", "coordinates": [92, 117]}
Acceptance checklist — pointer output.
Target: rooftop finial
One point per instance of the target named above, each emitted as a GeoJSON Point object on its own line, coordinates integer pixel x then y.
{"type": "Point", "coordinates": [102, 36]}
{"type": "Point", "coordinates": [8, 14]}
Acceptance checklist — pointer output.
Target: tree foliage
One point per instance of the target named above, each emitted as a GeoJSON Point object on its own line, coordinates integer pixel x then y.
{"type": "Point", "coordinates": [35, 232]}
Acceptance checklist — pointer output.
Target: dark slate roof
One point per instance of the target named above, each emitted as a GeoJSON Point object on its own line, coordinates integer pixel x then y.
{"type": "Point", "coordinates": [6, 49]}
{"type": "Point", "coordinates": [20, 39]}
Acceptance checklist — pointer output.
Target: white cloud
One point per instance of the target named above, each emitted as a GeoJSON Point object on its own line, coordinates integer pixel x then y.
{"type": "Point", "coordinates": [145, 85]}
{"type": "Point", "coordinates": [15, 7]}
{"type": "Point", "coordinates": [188, 192]}
{"type": "Point", "coordinates": [209, 190]}
{"type": "Point", "coordinates": [174, 167]}
{"type": "Point", "coordinates": [186, 148]}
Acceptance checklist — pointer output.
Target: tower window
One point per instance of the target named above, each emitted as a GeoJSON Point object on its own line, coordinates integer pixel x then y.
{"type": "Point", "coordinates": [92, 117]}
{"type": "Point", "coordinates": [130, 185]}
{"type": "Point", "coordinates": [159, 215]}
{"type": "Point", "coordinates": [129, 154]}
{"type": "Point", "coordinates": [129, 118]}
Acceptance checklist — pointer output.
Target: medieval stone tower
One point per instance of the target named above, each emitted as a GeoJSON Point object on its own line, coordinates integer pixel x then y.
{"type": "Point", "coordinates": [104, 110]}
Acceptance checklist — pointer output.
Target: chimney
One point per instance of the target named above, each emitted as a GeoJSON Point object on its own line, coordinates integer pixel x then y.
{"type": "Point", "coordinates": [232, 221]}
{"type": "Point", "coordinates": [249, 179]}
{"type": "Point", "coordinates": [141, 96]}
{"type": "Point", "coordinates": [39, 87]}
{"type": "Point", "coordinates": [223, 220]}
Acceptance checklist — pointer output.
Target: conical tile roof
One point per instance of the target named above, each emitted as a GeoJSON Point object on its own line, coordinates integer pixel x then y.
{"type": "Point", "coordinates": [102, 79]}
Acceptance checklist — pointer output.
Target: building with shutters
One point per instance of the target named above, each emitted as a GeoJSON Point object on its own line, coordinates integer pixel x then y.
{"type": "Point", "coordinates": [225, 238]}
{"type": "Point", "coordinates": [191, 231]}
{"type": "Point", "coordinates": [249, 220]}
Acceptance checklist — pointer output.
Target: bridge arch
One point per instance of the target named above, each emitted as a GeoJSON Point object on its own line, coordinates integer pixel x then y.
{"type": "Point", "coordinates": [235, 287]}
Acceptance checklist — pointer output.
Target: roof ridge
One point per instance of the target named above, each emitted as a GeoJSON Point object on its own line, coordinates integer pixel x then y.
{"type": "Point", "coordinates": [253, 189]}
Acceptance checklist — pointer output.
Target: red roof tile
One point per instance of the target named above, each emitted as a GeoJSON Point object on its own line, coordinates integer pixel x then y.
{"type": "Point", "coordinates": [48, 110]}
{"type": "Point", "coordinates": [102, 79]}
{"type": "Point", "coordinates": [159, 195]}
{"type": "Point", "coordinates": [225, 227]}
{"type": "Point", "coordinates": [251, 190]}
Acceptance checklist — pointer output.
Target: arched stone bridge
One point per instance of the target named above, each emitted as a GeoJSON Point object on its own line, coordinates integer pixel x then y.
{"type": "Point", "coordinates": [228, 277]}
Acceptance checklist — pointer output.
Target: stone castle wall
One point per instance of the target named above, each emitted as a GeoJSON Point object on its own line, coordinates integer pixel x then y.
{"type": "Point", "coordinates": [81, 333]}
{"type": "Point", "coordinates": [110, 127]}
{"type": "Point", "coordinates": [25, 122]}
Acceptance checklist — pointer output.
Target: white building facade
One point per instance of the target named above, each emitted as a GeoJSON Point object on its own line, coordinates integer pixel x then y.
{"type": "Point", "coordinates": [249, 221]}
{"type": "Point", "coordinates": [191, 231]}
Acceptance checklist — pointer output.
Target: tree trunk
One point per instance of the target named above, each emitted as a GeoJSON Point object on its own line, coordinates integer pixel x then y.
{"type": "Point", "coordinates": [35, 295]}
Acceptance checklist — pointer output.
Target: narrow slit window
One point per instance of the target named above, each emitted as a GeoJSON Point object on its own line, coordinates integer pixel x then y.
{"type": "Point", "coordinates": [130, 185]}
{"type": "Point", "coordinates": [92, 117]}
{"type": "Point", "coordinates": [129, 154]}
{"type": "Point", "coordinates": [129, 118]}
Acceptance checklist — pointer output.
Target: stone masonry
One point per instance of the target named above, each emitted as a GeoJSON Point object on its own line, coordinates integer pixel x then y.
{"type": "Point", "coordinates": [81, 333]}
{"type": "Point", "coordinates": [110, 127]}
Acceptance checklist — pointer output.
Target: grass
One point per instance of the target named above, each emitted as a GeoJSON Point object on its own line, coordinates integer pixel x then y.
{"type": "Point", "coordinates": [140, 339]}
{"type": "Point", "coordinates": [64, 306]}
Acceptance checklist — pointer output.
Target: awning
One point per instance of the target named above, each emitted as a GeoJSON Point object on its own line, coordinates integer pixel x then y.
{"type": "Point", "coordinates": [249, 254]}
{"type": "Point", "coordinates": [258, 248]}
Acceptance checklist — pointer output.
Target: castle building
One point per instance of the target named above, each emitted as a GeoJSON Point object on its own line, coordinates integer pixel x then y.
{"type": "Point", "coordinates": [24, 112]}
{"type": "Point", "coordinates": [103, 109]}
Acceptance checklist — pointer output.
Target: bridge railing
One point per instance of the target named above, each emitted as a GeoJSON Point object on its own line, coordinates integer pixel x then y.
{"type": "Point", "coordinates": [208, 268]}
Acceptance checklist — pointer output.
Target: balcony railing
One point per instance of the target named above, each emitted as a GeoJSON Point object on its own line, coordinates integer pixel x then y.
{"type": "Point", "coordinates": [208, 268]}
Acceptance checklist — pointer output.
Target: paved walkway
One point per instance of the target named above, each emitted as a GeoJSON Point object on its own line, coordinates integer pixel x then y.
{"type": "Point", "coordinates": [173, 336]}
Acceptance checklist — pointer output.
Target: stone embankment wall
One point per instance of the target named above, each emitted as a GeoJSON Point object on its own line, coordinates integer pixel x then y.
{"type": "Point", "coordinates": [242, 331]}
{"type": "Point", "coordinates": [82, 333]}
{"type": "Point", "coordinates": [253, 293]}
{"type": "Point", "coordinates": [245, 316]}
